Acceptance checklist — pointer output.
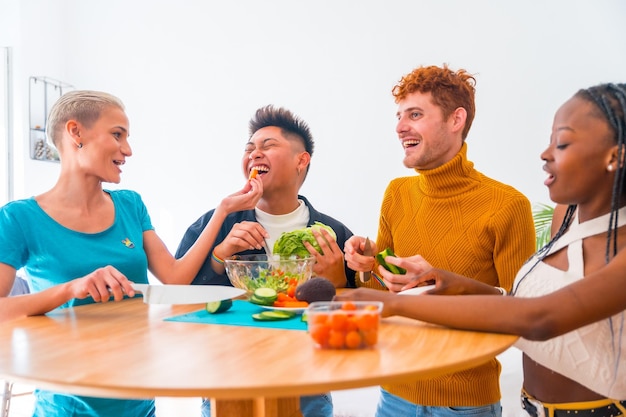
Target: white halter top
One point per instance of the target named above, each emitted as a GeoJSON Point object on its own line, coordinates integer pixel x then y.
{"type": "Point", "coordinates": [593, 355]}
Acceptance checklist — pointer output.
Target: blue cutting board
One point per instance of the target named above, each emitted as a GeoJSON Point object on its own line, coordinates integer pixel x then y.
{"type": "Point", "coordinates": [240, 314]}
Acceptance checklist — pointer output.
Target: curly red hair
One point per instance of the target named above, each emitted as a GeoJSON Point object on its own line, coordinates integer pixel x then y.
{"type": "Point", "coordinates": [449, 90]}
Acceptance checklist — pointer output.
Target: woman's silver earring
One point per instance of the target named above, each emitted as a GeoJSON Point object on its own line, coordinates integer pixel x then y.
{"type": "Point", "coordinates": [80, 145]}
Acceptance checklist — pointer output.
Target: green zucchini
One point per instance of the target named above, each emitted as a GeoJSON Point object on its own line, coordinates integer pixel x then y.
{"type": "Point", "coordinates": [273, 315]}
{"type": "Point", "coordinates": [221, 306]}
{"type": "Point", "coordinates": [380, 257]}
{"type": "Point", "coordinates": [254, 300]}
{"type": "Point", "coordinates": [266, 295]}
{"type": "Point", "coordinates": [262, 302]}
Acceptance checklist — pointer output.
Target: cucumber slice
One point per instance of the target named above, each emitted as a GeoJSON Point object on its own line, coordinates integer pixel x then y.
{"type": "Point", "coordinates": [266, 295]}
{"type": "Point", "coordinates": [273, 315]}
{"type": "Point", "coordinates": [221, 306]}
{"type": "Point", "coordinates": [380, 257]}
{"type": "Point", "coordinates": [262, 302]}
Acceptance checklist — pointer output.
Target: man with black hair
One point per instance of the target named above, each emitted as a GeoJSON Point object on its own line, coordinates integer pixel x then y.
{"type": "Point", "coordinates": [279, 150]}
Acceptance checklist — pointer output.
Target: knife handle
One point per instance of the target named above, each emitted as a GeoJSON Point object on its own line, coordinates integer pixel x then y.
{"type": "Point", "coordinates": [365, 276]}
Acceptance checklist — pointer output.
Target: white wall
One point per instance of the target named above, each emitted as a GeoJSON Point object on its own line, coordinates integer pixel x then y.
{"type": "Point", "coordinates": [192, 72]}
{"type": "Point", "coordinates": [33, 31]}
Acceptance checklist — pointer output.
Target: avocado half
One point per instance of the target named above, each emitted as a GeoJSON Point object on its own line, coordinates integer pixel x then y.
{"type": "Point", "coordinates": [316, 289]}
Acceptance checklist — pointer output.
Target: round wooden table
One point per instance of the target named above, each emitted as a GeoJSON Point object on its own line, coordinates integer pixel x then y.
{"type": "Point", "coordinates": [126, 350]}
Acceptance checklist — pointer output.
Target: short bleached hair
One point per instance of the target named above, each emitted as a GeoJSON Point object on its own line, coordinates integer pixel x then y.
{"type": "Point", "coordinates": [84, 106]}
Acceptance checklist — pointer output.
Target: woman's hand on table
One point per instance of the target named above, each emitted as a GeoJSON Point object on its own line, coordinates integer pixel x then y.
{"type": "Point", "coordinates": [448, 283]}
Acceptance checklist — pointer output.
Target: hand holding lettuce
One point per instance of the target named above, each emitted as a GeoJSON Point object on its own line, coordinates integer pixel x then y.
{"type": "Point", "coordinates": [292, 243]}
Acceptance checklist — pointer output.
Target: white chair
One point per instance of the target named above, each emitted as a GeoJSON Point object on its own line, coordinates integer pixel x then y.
{"type": "Point", "coordinates": [7, 394]}
{"type": "Point", "coordinates": [20, 286]}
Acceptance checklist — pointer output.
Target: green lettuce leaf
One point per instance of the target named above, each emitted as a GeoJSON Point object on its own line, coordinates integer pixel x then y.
{"type": "Point", "coordinates": [291, 243]}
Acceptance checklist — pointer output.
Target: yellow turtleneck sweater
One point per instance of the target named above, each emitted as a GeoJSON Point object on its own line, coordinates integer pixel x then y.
{"type": "Point", "coordinates": [462, 221]}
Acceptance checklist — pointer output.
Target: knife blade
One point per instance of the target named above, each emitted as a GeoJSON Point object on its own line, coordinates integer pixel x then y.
{"type": "Point", "coordinates": [185, 294]}
{"type": "Point", "coordinates": [367, 251]}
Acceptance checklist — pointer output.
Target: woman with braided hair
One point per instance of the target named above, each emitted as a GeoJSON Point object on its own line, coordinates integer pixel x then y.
{"type": "Point", "coordinates": [568, 302]}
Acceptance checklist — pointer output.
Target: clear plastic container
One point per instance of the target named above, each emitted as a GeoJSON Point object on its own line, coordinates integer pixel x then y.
{"type": "Point", "coordinates": [344, 324]}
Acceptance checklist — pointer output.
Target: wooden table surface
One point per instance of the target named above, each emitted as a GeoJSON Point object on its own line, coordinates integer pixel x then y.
{"type": "Point", "coordinates": [126, 350]}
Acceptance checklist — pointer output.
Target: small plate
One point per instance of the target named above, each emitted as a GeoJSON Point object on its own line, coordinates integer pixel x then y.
{"type": "Point", "coordinates": [417, 290]}
{"type": "Point", "coordinates": [296, 310]}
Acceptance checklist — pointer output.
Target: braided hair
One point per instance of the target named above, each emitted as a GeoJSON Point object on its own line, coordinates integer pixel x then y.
{"type": "Point", "coordinates": [610, 99]}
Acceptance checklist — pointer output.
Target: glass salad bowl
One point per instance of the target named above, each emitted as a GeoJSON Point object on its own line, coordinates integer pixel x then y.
{"type": "Point", "coordinates": [283, 274]}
